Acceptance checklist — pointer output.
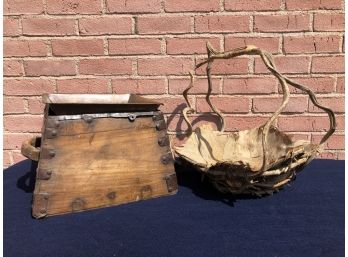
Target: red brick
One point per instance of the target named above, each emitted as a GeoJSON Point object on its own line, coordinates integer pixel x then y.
{"type": "Point", "coordinates": [81, 47]}
{"type": "Point", "coordinates": [229, 66]}
{"type": "Point", "coordinates": [105, 26]}
{"type": "Point", "coordinates": [23, 7]}
{"type": "Point", "coordinates": [295, 137]}
{"type": "Point", "coordinates": [23, 87]}
{"type": "Point", "coordinates": [172, 104]}
{"type": "Point", "coordinates": [13, 141]}
{"type": "Point", "coordinates": [285, 64]}
{"type": "Point", "coordinates": [222, 23]}
{"type": "Point", "coordinates": [6, 159]}
{"type": "Point", "coordinates": [249, 85]}
{"type": "Point", "coordinates": [105, 66]}
{"type": "Point", "coordinates": [271, 104]}
{"type": "Point", "coordinates": [317, 84]}
{"type": "Point", "coordinates": [177, 123]}
{"type": "Point", "coordinates": [164, 66]}
{"type": "Point", "coordinates": [130, 46]}
{"type": "Point", "coordinates": [281, 23]}
{"type": "Point", "coordinates": [341, 156]}
{"type": "Point", "coordinates": [270, 44]}
{"type": "Point", "coordinates": [133, 6]}
{"type": "Point", "coordinates": [177, 86]}
{"type": "Point", "coordinates": [312, 4]}
{"type": "Point", "coordinates": [36, 106]}
{"type": "Point", "coordinates": [37, 68]}
{"type": "Point", "coordinates": [82, 86]}
{"type": "Point", "coordinates": [163, 25]}
{"type": "Point", "coordinates": [48, 27]}
{"type": "Point", "coordinates": [190, 45]}
{"type": "Point", "coordinates": [224, 104]}
{"type": "Point", "coordinates": [23, 123]}
{"type": "Point", "coordinates": [340, 85]}
{"type": "Point", "coordinates": [234, 123]}
{"type": "Point", "coordinates": [303, 123]}
{"type": "Point", "coordinates": [237, 123]}
{"type": "Point", "coordinates": [252, 5]}
{"type": "Point", "coordinates": [327, 155]}
{"type": "Point", "coordinates": [191, 6]}
{"type": "Point", "coordinates": [22, 48]}
{"type": "Point", "coordinates": [74, 7]}
{"type": "Point", "coordinates": [13, 68]}
{"type": "Point", "coordinates": [336, 104]}
{"type": "Point", "coordinates": [328, 64]}
{"type": "Point", "coordinates": [328, 22]}
{"type": "Point", "coordinates": [312, 44]}
{"type": "Point", "coordinates": [18, 157]}
{"type": "Point", "coordinates": [340, 122]}
{"type": "Point", "coordinates": [335, 142]}
{"type": "Point", "coordinates": [138, 86]}
{"type": "Point", "coordinates": [13, 105]}
{"type": "Point", "coordinates": [11, 27]}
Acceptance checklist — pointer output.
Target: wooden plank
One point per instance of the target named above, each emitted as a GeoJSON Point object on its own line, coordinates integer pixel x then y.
{"type": "Point", "coordinates": [107, 162]}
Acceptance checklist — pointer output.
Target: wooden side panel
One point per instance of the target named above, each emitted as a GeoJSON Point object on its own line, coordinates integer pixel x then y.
{"type": "Point", "coordinates": [103, 162]}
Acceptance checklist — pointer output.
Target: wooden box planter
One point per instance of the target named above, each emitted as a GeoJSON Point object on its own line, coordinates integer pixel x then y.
{"type": "Point", "coordinates": [98, 151]}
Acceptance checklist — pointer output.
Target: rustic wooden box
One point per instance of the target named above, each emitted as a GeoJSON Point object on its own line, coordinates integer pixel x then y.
{"type": "Point", "coordinates": [98, 151]}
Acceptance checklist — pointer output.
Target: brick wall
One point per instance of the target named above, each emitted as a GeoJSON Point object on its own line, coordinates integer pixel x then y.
{"type": "Point", "coordinates": [148, 47]}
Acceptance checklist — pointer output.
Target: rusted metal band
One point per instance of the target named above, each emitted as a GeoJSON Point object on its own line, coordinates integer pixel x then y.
{"type": "Point", "coordinates": [131, 115]}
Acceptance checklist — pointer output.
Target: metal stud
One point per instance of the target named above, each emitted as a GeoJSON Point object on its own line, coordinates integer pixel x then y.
{"type": "Point", "coordinates": [52, 153]}
{"type": "Point", "coordinates": [163, 141]}
{"type": "Point", "coordinates": [132, 117]}
{"type": "Point", "coordinates": [166, 158]}
{"type": "Point", "coordinates": [87, 118]}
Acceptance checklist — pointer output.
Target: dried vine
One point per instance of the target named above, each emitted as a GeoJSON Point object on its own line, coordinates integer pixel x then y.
{"type": "Point", "coordinates": [268, 61]}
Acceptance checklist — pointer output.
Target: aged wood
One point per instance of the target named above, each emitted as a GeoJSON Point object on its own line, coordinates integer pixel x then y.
{"type": "Point", "coordinates": [99, 160]}
{"type": "Point", "coordinates": [30, 150]}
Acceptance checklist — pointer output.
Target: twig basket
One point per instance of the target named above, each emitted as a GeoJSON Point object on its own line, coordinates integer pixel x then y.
{"type": "Point", "coordinates": [256, 161]}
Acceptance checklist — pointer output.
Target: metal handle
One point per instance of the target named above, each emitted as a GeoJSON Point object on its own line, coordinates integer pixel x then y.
{"type": "Point", "coordinates": [31, 148]}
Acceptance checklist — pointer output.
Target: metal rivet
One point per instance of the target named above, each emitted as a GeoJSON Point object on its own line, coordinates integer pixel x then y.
{"type": "Point", "coordinates": [87, 118]}
{"type": "Point", "coordinates": [163, 141]}
{"type": "Point", "coordinates": [164, 159]}
{"type": "Point", "coordinates": [52, 153]}
{"type": "Point", "coordinates": [159, 126]}
{"type": "Point", "coordinates": [43, 210]}
{"type": "Point", "coordinates": [46, 197]}
{"type": "Point", "coordinates": [132, 117]}
{"type": "Point", "coordinates": [56, 123]}
{"type": "Point", "coordinates": [54, 132]}
{"type": "Point", "coordinates": [49, 172]}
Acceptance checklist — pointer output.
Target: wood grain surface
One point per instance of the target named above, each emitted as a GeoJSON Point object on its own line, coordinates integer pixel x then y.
{"type": "Point", "coordinates": [104, 162]}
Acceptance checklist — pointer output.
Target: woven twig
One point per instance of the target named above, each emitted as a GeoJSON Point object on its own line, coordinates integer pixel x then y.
{"type": "Point", "coordinates": [236, 170]}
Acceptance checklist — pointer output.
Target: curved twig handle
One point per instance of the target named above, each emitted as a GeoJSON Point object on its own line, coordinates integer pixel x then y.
{"type": "Point", "coordinates": [268, 60]}
{"type": "Point", "coordinates": [213, 54]}
{"type": "Point", "coordinates": [314, 100]}
{"type": "Point", "coordinates": [189, 109]}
